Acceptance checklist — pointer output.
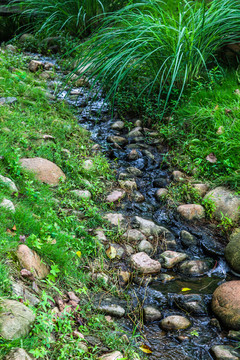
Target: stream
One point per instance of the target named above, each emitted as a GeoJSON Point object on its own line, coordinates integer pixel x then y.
{"type": "Point", "coordinates": [167, 295]}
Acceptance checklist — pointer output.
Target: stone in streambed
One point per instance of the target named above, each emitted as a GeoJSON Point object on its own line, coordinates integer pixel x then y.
{"type": "Point", "coordinates": [116, 219]}
{"type": "Point", "coordinates": [135, 133]}
{"type": "Point", "coordinates": [225, 352]}
{"type": "Point", "coordinates": [145, 246]}
{"type": "Point", "coordinates": [232, 251]}
{"type": "Point", "coordinates": [138, 197]}
{"type": "Point", "coordinates": [195, 267]}
{"type": "Point", "coordinates": [151, 314]}
{"type": "Point", "coordinates": [161, 194]}
{"type": "Point", "coordinates": [31, 261]}
{"type": "Point", "coordinates": [118, 125]}
{"type": "Point", "coordinates": [148, 228]}
{"type": "Point", "coordinates": [171, 258]}
{"type": "Point", "coordinates": [133, 155]}
{"type": "Point", "coordinates": [192, 303]}
{"type": "Point", "coordinates": [117, 139]}
{"type": "Point", "coordinates": [134, 171]}
{"type": "Point", "coordinates": [15, 319]}
{"type": "Point", "coordinates": [144, 264]}
{"type": "Point", "coordinates": [226, 203]}
{"type": "Point", "coordinates": [226, 304]}
{"type": "Point", "coordinates": [35, 65]}
{"type": "Point", "coordinates": [188, 239]}
{"type": "Point", "coordinates": [44, 170]}
{"type": "Point", "coordinates": [128, 185]}
{"type": "Point", "coordinates": [115, 196]}
{"type": "Point", "coordinates": [134, 235]}
{"type": "Point", "coordinates": [191, 211]}
{"type": "Point", "coordinates": [175, 322]}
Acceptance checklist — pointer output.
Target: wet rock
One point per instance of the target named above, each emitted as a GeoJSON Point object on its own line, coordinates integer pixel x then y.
{"type": "Point", "coordinates": [225, 352]}
{"type": "Point", "coordinates": [35, 65]}
{"type": "Point", "coordinates": [144, 264]}
{"type": "Point", "coordinates": [195, 267]}
{"type": "Point", "coordinates": [15, 319]}
{"type": "Point", "coordinates": [146, 296]}
{"type": "Point", "coordinates": [145, 246]}
{"type": "Point", "coordinates": [45, 170]}
{"type": "Point", "coordinates": [170, 258]}
{"type": "Point", "coordinates": [226, 304]}
{"type": "Point", "coordinates": [31, 261]}
{"type": "Point", "coordinates": [118, 125]}
{"type": "Point", "coordinates": [149, 154]}
{"type": "Point", "coordinates": [201, 189]}
{"type": "Point", "coordinates": [192, 303]}
{"type": "Point", "coordinates": [143, 280]}
{"type": "Point", "coordinates": [138, 197]}
{"type": "Point", "coordinates": [128, 185]}
{"type": "Point", "coordinates": [161, 194]}
{"type": "Point", "coordinates": [134, 171]}
{"type": "Point", "coordinates": [175, 322]}
{"type": "Point", "coordinates": [134, 235]}
{"type": "Point", "coordinates": [133, 155]}
{"type": "Point", "coordinates": [115, 355]}
{"type": "Point", "coordinates": [115, 196]}
{"type": "Point", "coordinates": [148, 228]}
{"type": "Point", "coordinates": [160, 182]}
{"type": "Point", "coordinates": [7, 101]}
{"type": "Point", "coordinates": [191, 211]}
{"type": "Point", "coordinates": [225, 202]}
{"type": "Point", "coordinates": [232, 252]}
{"type": "Point", "coordinates": [82, 194]}
{"type": "Point", "coordinates": [135, 133]}
{"type": "Point", "coordinates": [8, 205]}
{"type": "Point", "coordinates": [179, 176]}
{"type": "Point", "coordinates": [88, 165]}
{"type": "Point", "coordinates": [116, 219]}
{"type": "Point", "coordinates": [211, 246]}
{"type": "Point", "coordinates": [117, 140]}
{"type": "Point", "coordinates": [9, 183]}
{"type": "Point", "coordinates": [151, 314]}
{"type": "Point", "coordinates": [20, 290]}
{"type": "Point", "coordinates": [18, 354]}
{"type": "Point", "coordinates": [188, 239]}
{"type": "Point", "coordinates": [164, 278]}
{"type": "Point", "coordinates": [111, 309]}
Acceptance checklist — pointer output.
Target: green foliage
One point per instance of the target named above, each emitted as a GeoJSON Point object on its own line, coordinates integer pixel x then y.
{"type": "Point", "coordinates": [208, 123]}
{"type": "Point", "coordinates": [162, 51]}
{"type": "Point", "coordinates": [183, 193]}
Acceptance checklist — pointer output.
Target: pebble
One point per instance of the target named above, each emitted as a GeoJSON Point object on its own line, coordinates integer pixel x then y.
{"type": "Point", "coordinates": [161, 194]}
{"type": "Point", "coordinates": [144, 264]}
{"type": "Point", "coordinates": [129, 185]}
{"type": "Point", "coordinates": [88, 165]}
{"type": "Point", "coordinates": [82, 194]}
{"type": "Point", "coordinates": [138, 197]}
{"type": "Point", "coordinates": [188, 239]}
{"type": "Point", "coordinates": [100, 236]}
{"type": "Point", "coordinates": [133, 235]}
{"type": "Point", "coordinates": [117, 139]}
{"type": "Point", "coordinates": [118, 125]}
{"type": "Point", "coordinates": [195, 267]}
{"type": "Point", "coordinates": [170, 258]}
{"type": "Point", "coordinates": [175, 322]}
{"type": "Point", "coordinates": [112, 309]}
{"type": "Point", "coordinates": [191, 211]}
{"type": "Point", "coordinates": [133, 155]}
{"type": "Point", "coordinates": [115, 196]}
{"type": "Point", "coordinates": [134, 171]}
{"type": "Point", "coordinates": [115, 355]}
{"type": "Point", "coordinates": [151, 314]}
{"type": "Point", "coordinates": [8, 205]}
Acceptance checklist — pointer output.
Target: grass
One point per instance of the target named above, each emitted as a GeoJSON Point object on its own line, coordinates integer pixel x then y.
{"type": "Point", "coordinates": [45, 218]}
{"type": "Point", "coordinates": [162, 51]}
{"type": "Point", "coordinates": [208, 122]}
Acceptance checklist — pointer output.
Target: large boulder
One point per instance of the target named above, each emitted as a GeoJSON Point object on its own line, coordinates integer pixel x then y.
{"type": "Point", "coordinates": [45, 170]}
{"type": "Point", "coordinates": [15, 319]}
{"type": "Point", "coordinates": [226, 304]}
{"type": "Point", "coordinates": [226, 203]}
{"type": "Point", "coordinates": [18, 354]}
{"type": "Point", "coordinates": [31, 261]}
{"type": "Point", "coordinates": [232, 251]}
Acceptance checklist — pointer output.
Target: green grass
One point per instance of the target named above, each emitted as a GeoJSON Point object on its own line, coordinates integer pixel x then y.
{"type": "Point", "coordinates": [163, 51]}
{"type": "Point", "coordinates": [192, 132]}
{"type": "Point", "coordinates": [41, 220]}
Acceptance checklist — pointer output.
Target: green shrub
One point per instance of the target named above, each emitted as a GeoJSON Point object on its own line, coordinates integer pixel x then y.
{"type": "Point", "coordinates": [162, 51]}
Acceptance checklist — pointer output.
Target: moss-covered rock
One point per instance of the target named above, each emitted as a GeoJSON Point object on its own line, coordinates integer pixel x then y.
{"type": "Point", "coordinates": [232, 251]}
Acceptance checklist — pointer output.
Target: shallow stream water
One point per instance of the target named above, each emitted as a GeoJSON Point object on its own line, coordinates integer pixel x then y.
{"type": "Point", "coordinates": [196, 342]}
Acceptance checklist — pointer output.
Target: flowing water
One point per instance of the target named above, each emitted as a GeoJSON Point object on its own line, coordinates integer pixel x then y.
{"type": "Point", "coordinates": [195, 343]}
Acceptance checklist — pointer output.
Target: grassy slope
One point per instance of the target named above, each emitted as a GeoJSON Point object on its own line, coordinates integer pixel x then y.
{"type": "Point", "coordinates": [192, 132]}
{"type": "Point", "coordinates": [42, 219]}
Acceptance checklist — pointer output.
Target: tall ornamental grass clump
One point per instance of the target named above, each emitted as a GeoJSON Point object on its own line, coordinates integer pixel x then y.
{"type": "Point", "coordinates": [52, 16]}
{"type": "Point", "coordinates": [163, 51]}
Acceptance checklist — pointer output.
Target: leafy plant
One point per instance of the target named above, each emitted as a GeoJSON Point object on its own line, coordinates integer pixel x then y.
{"type": "Point", "coordinates": [165, 52]}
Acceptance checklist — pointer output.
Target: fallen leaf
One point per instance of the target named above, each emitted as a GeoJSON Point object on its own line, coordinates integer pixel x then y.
{"type": "Point", "coordinates": [211, 158]}
{"type": "Point", "coordinates": [185, 289]}
{"type": "Point", "coordinates": [146, 349]}
{"type": "Point", "coordinates": [228, 111]}
{"type": "Point", "coordinates": [14, 228]}
{"type": "Point", "coordinates": [216, 107]}
{"type": "Point", "coordinates": [78, 253]}
{"type": "Point", "coordinates": [111, 252]}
